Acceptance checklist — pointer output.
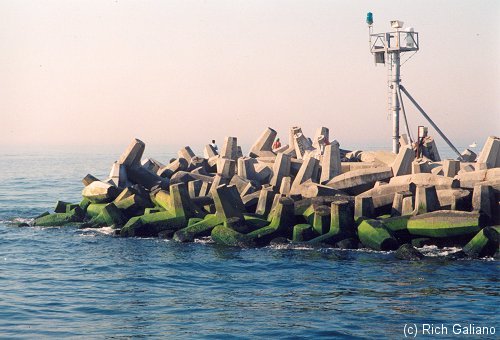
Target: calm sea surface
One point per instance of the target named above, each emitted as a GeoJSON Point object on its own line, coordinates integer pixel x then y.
{"type": "Point", "coordinates": [65, 282]}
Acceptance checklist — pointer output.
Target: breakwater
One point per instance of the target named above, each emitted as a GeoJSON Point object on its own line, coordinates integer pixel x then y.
{"type": "Point", "coordinates": [307, 192]}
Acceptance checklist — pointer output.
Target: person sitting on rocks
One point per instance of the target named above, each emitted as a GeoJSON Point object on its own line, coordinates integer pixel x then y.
{"type": "Point", "coordinates": [276, 144]}
{"type": "Point", "coordinates": [214, 146]}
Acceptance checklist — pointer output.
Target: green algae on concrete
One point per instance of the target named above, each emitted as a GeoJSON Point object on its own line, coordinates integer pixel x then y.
{"type": "Point", "coordinates": [373, 234]}
{"type": "Point", "coordinates": [198, 229]}
{"type": "Point", "coordinates": [341, 225]}
{"type": "Point", "coordinates": [444, 223]}
{"type": "Point", "coordinates": [485, 243]}
{"type": "Point", "coordinates": [94, 209]}
{"type": "Point", "coordinates": [59, 219]}
{"type": "Point", "coordinates": [302, 232]}
{"type": "Point", "coordinates": [224, 235]}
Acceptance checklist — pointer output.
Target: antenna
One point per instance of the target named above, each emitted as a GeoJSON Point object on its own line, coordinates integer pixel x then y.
{"type": "Point", "coordinates": [389, 46]}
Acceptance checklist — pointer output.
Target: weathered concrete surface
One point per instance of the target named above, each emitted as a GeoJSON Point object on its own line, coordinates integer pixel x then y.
{"type": "Point", "coordinates": [429, 149]}
{"type": "Point", "coordinates": [302, 145]}
{"type": "Point", "coordinates": [468, 155]}
{"type": "Point", "coordinates": [373, 234]}
{"type": "Point", "coordinates": [357, 181]}
{"type": "Point", "coordinates": [469, 179]}
{"type": "Point", "coordinates": [490, 154]}
{"type": "Point", "coordinates": [265, 202]}
{"type": "Point", "coordinates": [321, 134]}
{"type": "Point", "coordinates": [118, 175]}
{"type": "Point", "coordinates": [331, 165]}
{"type": "Point", "coordinates": [286, 185]}
{"type": "Point", "coordinates": [397, 203]}
{"type": "Point", "coordinates": [186, 153]}
{"type": "Point", "coordinates": [167, 171]}
{"type": "Point", "coordinates": [403, 162]}
{"type": "Point", "coordinates": [454, 199]}
{"type": "Point", "coordinates": [226, 167]}
{"type": "Point", "coordinates": [484, 244]}
{"type": "Point", "coordinates": [305, 173]}
{"type": "Point", "coordinates": [133, 154]}
{"type": "Point", "coordinates": [146, 178]}
{"type": "Point", "coordinates": [483, 200]}
{"type": "Point", "coordinates": [439, 182]}
{"type": "Point", "coordinates": [227, 202]}
{"type": "Point", "coordinates": [230, 148]}
{"type": "Point", "coordinates": [363, 207]}
{"type": "Point", "coordinates": [426, 199]}
{"type": "Point", "coordinates": [209, 151]}
{"type": "Point", "coordinates": [89, 179]}
{"type": "Point", "coordinates": [281, 168]}
{"type": "Point", "coordinates": [444, 223]}
{"type": "Point", "coordinates": [310, 189]}
{"type": "Point", "coordinates": [377, 158]}
{"type": "Point", "coordinates": [100, 192]}
{"type": "Point", "coordinates": [263, 146]}
{"type": "Point", "coordinates": [451, 167]}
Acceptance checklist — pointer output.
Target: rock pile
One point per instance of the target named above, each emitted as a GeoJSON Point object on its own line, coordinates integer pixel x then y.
{"type": "Point", "coordinates": [309, 191]}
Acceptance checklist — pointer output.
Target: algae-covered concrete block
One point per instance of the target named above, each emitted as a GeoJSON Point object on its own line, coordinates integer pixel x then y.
{"type": "Point", "coordinates": [100, 192]}
{"type": "Point", "coordinates": [133, 154]}
{"type": "Point", "coordinates": [59, 219]}
{"type": "Point", "coordinates": [199, 229]}
{"type": "Point", "coordinates": [331, 165]}
{"type": "Point", "coordinates": [228, 202]}
{"type": "Point", "coordinates": [282, 221]}
{"type": "Point", "coordinates": [490, 154]}
{"type": "Point", "coordinates": [302, 232]}
{"type": "Point", "coordinates": [373, 234]}
{"type": "Point", "coordinates": [321, 220]}
{"type": "Point", "coordinates": [484, 244]}
{"type": "Point", "coordinates": [263, 145]}
{"type": "Point", "coordinates": [444, 223]}
{"type": "Point", "coordinates": [403, 163]}
{"type": "Point", "coordinates": [109, 215]}
{"type": "Point", "coordinates": [60, 207]}
{"type": "Point", "coordinates": [226, 236]}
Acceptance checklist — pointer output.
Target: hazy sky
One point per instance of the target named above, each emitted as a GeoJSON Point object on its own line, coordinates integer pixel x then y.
{"type": "Point", "coordinates": [184, 72]}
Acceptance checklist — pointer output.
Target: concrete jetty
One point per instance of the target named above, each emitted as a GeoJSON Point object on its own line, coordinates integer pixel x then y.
{"type": "Point", "coordinates": [310, 191]}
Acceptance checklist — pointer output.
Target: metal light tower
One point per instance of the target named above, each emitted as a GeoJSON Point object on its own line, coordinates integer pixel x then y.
{"type": "Point", "coordinates": [389, 46]}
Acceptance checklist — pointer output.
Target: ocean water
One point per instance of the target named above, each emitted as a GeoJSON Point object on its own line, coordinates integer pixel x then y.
{"type": "Point", "coordinates": [66, 282]}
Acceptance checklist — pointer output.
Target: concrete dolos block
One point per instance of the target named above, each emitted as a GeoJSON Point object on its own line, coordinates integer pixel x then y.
{"type": "Point", "coordinates": [263, 146]}
{"type": "Point", "coordinates": [133, 154]}
{"type": "Point", "coordinates": [100, 192]}
{"type": "Point", "coordinates": [357, 181]}
{"type": "Point", "coordinates": [331, 165]}
{"type": "Point", "coordinates": [403, 163]}
{"type": "Point", "coordinates": [490, 154]}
